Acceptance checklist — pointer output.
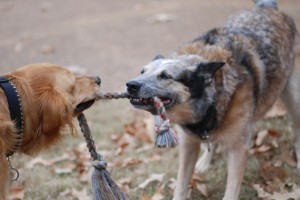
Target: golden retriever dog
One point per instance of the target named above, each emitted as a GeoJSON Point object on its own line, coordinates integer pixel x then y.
{"type": "Point", "coordinates": [50, 97]}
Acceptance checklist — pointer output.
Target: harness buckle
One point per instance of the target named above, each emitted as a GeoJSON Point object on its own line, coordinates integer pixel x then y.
{"type": "Point", "coordinates": [206, 138]}
{"type": "Point", "coordinates": [13, 170]}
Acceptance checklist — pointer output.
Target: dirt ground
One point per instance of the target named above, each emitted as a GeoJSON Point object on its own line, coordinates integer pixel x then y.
{"type": "Point", "coordinates": [112, 39]}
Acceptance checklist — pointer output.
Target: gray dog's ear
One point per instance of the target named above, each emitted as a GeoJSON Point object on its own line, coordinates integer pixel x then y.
{"type": "Point", "coordinates": [158, 57]}
{"type": "Point", "coordinates": [209, 68]}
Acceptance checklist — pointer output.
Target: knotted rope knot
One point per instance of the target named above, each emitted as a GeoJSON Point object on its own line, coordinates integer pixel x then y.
{"type": "Point", "coordinates": [165, 126]}
{"type": "Point", "coordinates": [100, 164]}
{"type": "Point", "coordinates": [166, 136]}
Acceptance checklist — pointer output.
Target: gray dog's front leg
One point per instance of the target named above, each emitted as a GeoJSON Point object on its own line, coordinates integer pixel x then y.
{"type": "Point", "coordinates": [188, 153]}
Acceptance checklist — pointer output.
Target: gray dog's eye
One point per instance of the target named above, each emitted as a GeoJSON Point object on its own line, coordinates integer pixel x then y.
{"type": "Point", "coordinates": [208, 81]}
{"type": "Point", "coordinates": [165, 75]}
{"type": "Point", "coordinates": [143, 71]}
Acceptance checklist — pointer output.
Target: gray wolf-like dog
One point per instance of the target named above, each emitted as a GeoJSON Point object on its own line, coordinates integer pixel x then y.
{"type": "Point", "coordinates": [219, 84]}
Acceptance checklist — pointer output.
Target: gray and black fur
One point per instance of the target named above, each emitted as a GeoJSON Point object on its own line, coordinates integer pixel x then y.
{"type": "Point", "coordinates": [221, 83]}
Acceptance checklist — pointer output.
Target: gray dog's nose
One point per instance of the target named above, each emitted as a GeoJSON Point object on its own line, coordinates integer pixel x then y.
{"type": "Point", "coordinates": [98, 80]}
{"type": "Point", "coordinates": [133, 86]}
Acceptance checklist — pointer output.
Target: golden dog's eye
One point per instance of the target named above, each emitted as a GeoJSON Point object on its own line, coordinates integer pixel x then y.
{"type": "Point", "coordinates": [165, 75]}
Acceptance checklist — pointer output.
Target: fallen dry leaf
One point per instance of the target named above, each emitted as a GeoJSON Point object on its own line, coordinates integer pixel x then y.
{"type": "Point", "coordinates": [131, 162]}
{"type": "Point", "coordinates": [82, 158]}
{"type": "Point", "coordinates": [157, 196]}
{"type": "Point", "coordinates": [61, 171]}
{"type": "Point", "coordinates": [273, 133]}
{"type": "Point", "coordinates": [152, 178]}
{"type": "Point", "coordinates": [267, 137]}
{"type": "Point", "coordinates": [172, 184]}
{"type": "Point", "coordinates": [145, 147]}
{"type": "Point", "coordinates": [125, 163]}
{"type": "Point", "coordinates": [261, 135]}
{"type": "Point", "coordinates": [125, 181]}
{"type": "Point", "coordinates": [270, 172]}
{"type": "Point", "coordinates": [85, 176]}
{"type": "Point", "coordinates": [197, 178]}
{"type": "Point", "coordinates": [16, 193]}
{"type": "Point", "coordinates": [153, 158]}
{"type": "Point", "coordinates": [115, 137]}
{"type": "Point", "coordinates": [124, 141]}
{"type": "Point", "coordinates": [260, 191]}
{"type": "Point", "coordinates": [202, 188]}
{"type": "Point", "coordinates": [291, 195]}
{"type": "Point", "coordinates": [286, 157]}
{"type": "Point", "coordinates": [42, 161]}
{"type": "Point", "coordinates": [196, 183]}
{"type": "Point", "coordinates": [16, 189]}
{"type": "Point", "coordinates": [83, 194]}
{"type": "Point", "coordinates": [277, 110]}
{"type": "Point", "coordinates": [295, 194]}
{"type": "Point", "coordinates": [146, 197]}
{"type": "Point", "coordinates": [143, 136]}
{"type": "Point", "coordinates": [37, 160]}
{"type": "Point", "coordinates": [138, 129]}
{"type": "Point", "coordinates": [261, 149]}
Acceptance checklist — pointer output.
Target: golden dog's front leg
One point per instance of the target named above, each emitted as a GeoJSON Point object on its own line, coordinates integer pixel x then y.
{"type": "Point", "coordinates": [188, 153]}
{"type": "Point", "coordinates": [3, 175]}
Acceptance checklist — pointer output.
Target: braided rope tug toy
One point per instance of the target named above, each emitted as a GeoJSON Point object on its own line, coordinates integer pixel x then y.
{"type": "Point", "coordinates": [103, 186]}
{"type": "Point", "coordinates": [165, 136]}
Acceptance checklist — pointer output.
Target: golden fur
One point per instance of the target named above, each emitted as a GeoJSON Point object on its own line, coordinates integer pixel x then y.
{"type": "Point", "coordinates": [49, 95]}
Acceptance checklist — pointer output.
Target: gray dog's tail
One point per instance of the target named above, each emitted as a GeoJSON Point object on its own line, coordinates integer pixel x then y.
{"type": "Point", "coordinates": [266, 3]}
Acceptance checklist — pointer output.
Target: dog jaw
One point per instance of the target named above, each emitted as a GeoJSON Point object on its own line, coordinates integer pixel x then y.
{"type": "Point", "coordinates": [148, 103]}
{"type": "Point", "coordinates": [86, 91]}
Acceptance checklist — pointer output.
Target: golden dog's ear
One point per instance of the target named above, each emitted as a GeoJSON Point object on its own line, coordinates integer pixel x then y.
{"type": "Point", "coordinates": [55, 110]}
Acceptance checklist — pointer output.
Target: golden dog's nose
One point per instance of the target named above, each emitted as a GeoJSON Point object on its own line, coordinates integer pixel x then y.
{"type": "Point", "coordinates": [98, 80]}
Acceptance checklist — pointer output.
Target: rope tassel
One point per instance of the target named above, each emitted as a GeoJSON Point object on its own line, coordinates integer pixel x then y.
{"type": "Point", "coordinates": [166, 136]}
{"type": "Point", "coordinates": [103, 186]}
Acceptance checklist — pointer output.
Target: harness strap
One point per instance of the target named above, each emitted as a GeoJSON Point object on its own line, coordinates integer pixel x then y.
{"type": "Point", "coordinates": [15, 107]}
{"type": "Point", "coordinates": [208, 123]}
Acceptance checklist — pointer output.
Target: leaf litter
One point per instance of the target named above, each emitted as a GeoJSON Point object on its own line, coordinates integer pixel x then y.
{"type": "Point", "coordinates": [133, 147]}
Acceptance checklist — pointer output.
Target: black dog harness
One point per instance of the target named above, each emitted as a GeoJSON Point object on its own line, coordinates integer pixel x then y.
{"type": "Point", "coordinates": [208, 123]}
{"type": "Point", "coordinates": [202, 128]}
{"type": "Point", "coordinates": [16, 114]}
{"type": "Point", "coordinates": [15, 108]}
